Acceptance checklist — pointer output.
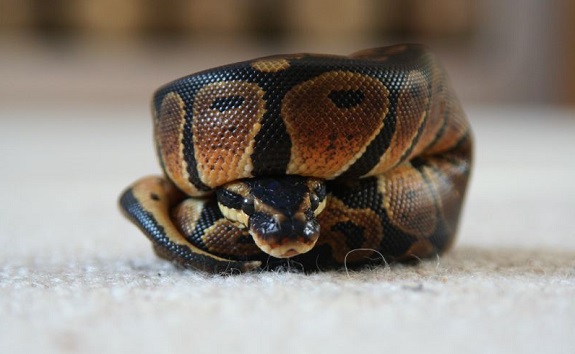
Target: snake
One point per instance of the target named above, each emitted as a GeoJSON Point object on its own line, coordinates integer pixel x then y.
{"type": "Point", "coordinates": [308, 161]}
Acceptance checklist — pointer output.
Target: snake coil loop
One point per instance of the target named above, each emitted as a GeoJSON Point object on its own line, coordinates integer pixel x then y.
{"type": "Point", "coordinates": [306, 157]}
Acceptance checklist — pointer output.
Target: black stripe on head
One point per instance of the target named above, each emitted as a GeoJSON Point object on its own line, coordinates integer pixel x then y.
{"type": "Point", "coordinates": [284, 194]}
{"type": "Point", "coordinates": [230, 199]}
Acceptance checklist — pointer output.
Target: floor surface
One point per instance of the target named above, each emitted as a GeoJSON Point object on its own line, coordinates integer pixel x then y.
{"type": "Point", "coordinates": [76, 277]}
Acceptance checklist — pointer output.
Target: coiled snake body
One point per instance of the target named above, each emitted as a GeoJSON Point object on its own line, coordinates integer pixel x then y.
{"type": "Point", "coordinates": [321, 160]}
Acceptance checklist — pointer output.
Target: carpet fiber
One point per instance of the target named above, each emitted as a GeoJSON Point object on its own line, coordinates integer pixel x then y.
{"type": "Point", "coordinates": [75, 277]}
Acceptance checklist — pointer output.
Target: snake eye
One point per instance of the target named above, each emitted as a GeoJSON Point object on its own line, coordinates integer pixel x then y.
{"type": "Point", "coordinates": [320, 192]}
{"type": "Point", "coordinates": [248, 206]}
{"type": "Point", "coordinates": [314, 201]}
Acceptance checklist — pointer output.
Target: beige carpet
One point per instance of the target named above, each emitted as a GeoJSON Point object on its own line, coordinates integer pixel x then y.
{"type": "Point", "coordinates": [75, 277]}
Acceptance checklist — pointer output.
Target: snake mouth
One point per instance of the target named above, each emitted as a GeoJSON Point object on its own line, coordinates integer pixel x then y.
{"type": "Point", "coordinates": [286, 250]}
{"type": "Point", "coordinates": [284, 238]}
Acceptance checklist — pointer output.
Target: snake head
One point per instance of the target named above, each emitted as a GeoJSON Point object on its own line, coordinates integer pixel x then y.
{"type": "Point", "coordinates": [279, 213]}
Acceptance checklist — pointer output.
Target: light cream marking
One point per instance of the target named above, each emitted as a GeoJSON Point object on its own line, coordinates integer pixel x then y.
{"type": "Point", "coordinates": [234, 215]}
{"type": "Point", "coordinates": [289, 249]}
{"type": "Point", "coordinates": [223, 237]}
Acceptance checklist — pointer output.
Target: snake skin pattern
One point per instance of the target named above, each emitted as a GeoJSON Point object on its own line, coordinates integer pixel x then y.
{"type": "Point", "coordinates": [375, 147]}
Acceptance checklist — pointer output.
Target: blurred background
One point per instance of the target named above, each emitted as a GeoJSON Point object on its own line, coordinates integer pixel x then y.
{"type": "Point", "coordinates": [76, 79]}
{"type": "Point", "coordinates": [497, 51]}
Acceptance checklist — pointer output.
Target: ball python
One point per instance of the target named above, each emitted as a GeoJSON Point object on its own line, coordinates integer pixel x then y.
{"type": "Point", "coordinates": [319, 161]}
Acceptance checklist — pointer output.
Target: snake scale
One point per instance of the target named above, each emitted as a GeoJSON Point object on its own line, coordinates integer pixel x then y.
{"type": "Point", "coordinates": [319, 161]}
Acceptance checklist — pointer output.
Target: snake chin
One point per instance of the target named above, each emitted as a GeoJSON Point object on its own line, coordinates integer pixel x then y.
{"type": "Point", "coordinates": [285, 252]}
{"type": "Point", "coordinates": [283, 237]}
{"type": "Point", "coordinates": [288, 249]}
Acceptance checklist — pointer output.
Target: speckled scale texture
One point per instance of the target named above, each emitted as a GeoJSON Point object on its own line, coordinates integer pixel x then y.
{"type": "Point", "coordinates": [296, 99]}
{"type": "Point", "coordinates": [382, 127]}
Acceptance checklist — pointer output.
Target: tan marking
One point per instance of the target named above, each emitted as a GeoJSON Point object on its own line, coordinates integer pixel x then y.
{"type": "Point", "coordinates": [408, 200]}
{"type": "Point", "coordinates": [271, 65]}
{"type": "Point", "coordinates": [288, 248]}
{"type": "Point", "coordinates": [225, 238]}
{"type": "Point", "coordinates": [449, 181]}
{"type": "Point", "coordinates": [337, 212]}
{"type": "Point", "coordinates": [320, 207]}
{"type": "Point", "coordinates": [326, 139]}
{"type": "Point", "coordinates": [169, 130]}
{"type": "Point", "coordinates": [236, 215]}
{"type": "Point", "coordinates": [187, 213]}
{"type": "Point", "coordinates": [224, 141]}
{"type": "Point", "coordinates": [411, 113]}
{"type": "Point", "coordinates": [160, 209]}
